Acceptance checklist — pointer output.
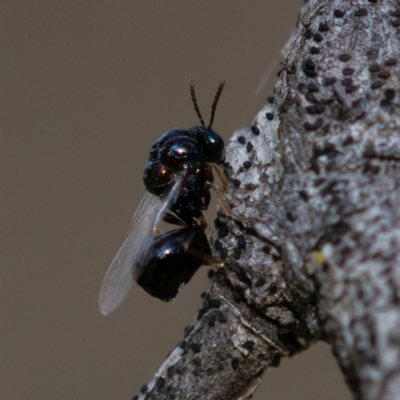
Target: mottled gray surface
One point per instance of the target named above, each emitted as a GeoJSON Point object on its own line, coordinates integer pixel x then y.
{"type": "Point", "coordinates": [316, 196]}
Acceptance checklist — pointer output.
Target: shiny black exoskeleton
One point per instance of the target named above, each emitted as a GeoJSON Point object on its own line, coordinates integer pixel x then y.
{"type": "Point", "coordinates": [177, 255]}
{"type": "Point", "coordinates": [191, 152]}
{"type": "Point", "coordinates": [170, 267]}
{"type": "Point", "coordinates": [178, 178]}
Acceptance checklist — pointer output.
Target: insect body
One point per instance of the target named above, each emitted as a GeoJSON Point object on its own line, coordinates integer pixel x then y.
{"type": "Point", "coordinates": [178, 178]}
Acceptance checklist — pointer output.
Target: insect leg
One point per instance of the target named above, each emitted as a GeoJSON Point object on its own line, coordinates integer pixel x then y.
{"type": "Point", "coordinates": [221, 198]}
{"type": "Point", "coordinates": [221, 176]}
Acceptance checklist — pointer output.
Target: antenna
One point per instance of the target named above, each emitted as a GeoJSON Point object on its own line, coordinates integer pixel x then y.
{"type": "Point", "coordinates": [196, 107]}
{"type": "Point", "coordinates": [214, 105]}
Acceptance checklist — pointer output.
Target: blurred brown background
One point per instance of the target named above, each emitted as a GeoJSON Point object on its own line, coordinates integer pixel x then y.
{"type": "Point", "coordinates": [86, 87]}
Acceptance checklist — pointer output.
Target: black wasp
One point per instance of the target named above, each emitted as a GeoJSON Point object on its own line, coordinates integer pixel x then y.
{"type": "Point", "coordinates": [178, 178]}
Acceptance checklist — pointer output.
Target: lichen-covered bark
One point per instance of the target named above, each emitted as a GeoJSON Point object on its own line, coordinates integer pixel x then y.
{"type": "Point", "coordinates": [313, 247]}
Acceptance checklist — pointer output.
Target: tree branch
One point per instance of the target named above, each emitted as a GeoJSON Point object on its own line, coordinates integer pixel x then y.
{"type": "Point", "coordinates": [313, 247]}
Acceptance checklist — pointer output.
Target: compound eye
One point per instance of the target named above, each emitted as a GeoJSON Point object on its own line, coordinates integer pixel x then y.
{"type": "Point", "coordinates": [213, 145]}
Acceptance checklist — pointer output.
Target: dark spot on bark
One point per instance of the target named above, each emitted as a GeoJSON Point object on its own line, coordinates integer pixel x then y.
{"type": "Point", "coordinates": [384, 74]}
{"type": "Point", "coordinates": [203, 294]}
{"type": "Point", "coordinates": [319, 182]}
{"type": "Point", "coordinates": [309, 64]}
{"type": "Point", "coordinates": [160, 382]}
{"type": "Point", "coordinates": [218, 245]}
{"type": "Point", "coordinates": [255, 130]}
{"type": "Point", "coordinates": [311, 98]}
{"type": "Point", "coordinates": [369, 167]}
{"type": "Point", "coordinates": [269, 116]}
{"type": "Point", "coordinates": [221, 317]}
{"type": "Point", "coordinates": [311, 110]}
{"type": "Point", "coordinates": [259, 282]}
{"type": "Point", "coordinates": [279, 73]}
{"type": "Point", "coordinates": [286, 329]}
{"type": "Point", "coordinates": [396, 13]}
{"type": "Point", "coordinates": [316, 152]}
{"type": "Point", "coordinates": [241, 241]}
{"type": "Point", "coordinates": [302, 87]}
{"type": "Point", "coordinates": [348, 140]}
{"type": "Point", "coordinates": [211, 320]}
{"type": "Point", "coordinates": [338, 13]}
{"type": "Point", "coordinates": [223, 253]}
{"type": "Point", "coordinates": [276, 258]}
{"type": "Point", "coordinates": [210, 273]}
{"type": "Point", "coordinates": [135, 397]}
{"type": "Point", "coordinates": [223, 231]}
{"type": "Point", "coordinates": [273, 289]}
{"type": "Point", "coordinates": [336, 231]}
{"type": "Point", "coordinates": [270, 99]}
{"type": "Point", "coordinates": [143, 389]}
{"type": "Point", "coordinates": [389, 94]}
{"type": "Point", "coordinates": [200, 313]}
{"type": "Point", "coordinates": [250, 186]}
{"type": "Point", "coordinates": [188, 330]}
{"type": "Point", "coordinates": [385, 103]}
{"type": "Point", "coordinates": [312, 87]}
{"type": "Point", "coordinates": [351, 88]}
{"type": "Point", "coordinates": [377, 84]}
{"type": "Point", "coordinates": [182, 345]}
{"type": "Point", "coordinates": [312, 127]}
{"type": "Point", "coordinates": [250, 147]}
{"type": "Point", "coordinates": [330, 150]}
{"type": "Point", "coordinates": [241, 140]}
{"type": "Point", "coordinates": [235, 363]}
{"type": "Point", "coordinates": [390, 62]}
{"type": "Point", "coordinates": [236, 253]}
{"type": "Point", "coordinates": [314, 50]}
{"type": "Point", "coordinates": [275, 361]}
{"type": "Point", "coordinates": [314, 165]}
{"type": "Point", "coordinates": [361, 12]}
{"type": "Point", "coordinates": [348, 71]}
{"type": "Point", "coordinates": [346, 81]}
{"type": "Point", "coordinates": [196, 361]}
{"type": "Point", "coordinates": [309, 68]}
{"type": "Point", "coordinates": [236, 182]}
{"type": "Point", "coordinates": [237, 293]}
{"type": "Point", "coordinates": [266, 249]}
{"type": "Point", "coordinates": [213, 303]}
{"type": "Point", "coordinates": [248, 344]}
{"type": "Point", "coordinates": [373, 1]}
{"type": "Point", "coordinates": [303, 194]}
{"type": "Point", "coordinates": [396, 22]}
{"type": "Point", "coordinates": [195, 347]}
{"type": "Point", "coordinates": [317, 37]}
{"type": "Point", "coordinates": [344, 57]}
{"type": "Point", "coordinates": [323, 27]}
{"type": "Point", "coordinates": [292, 69]}
{"type": "Point", "coordinates": [247, 164]}
{"type": "Point", "coordinates": [374, 68]}
{"type": "Point", "coordinates": [290, 216]}
{"type": "Point", "coordinates": [329, 81]}
{"type": "Point", "coordinates": [308, 34]}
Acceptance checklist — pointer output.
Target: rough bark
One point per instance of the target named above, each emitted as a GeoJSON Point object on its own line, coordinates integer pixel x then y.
{"type": "Point", "coordinates": [316, 185]}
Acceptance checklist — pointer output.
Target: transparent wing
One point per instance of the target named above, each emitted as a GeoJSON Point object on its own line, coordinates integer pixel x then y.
{"type": "Point", "coordinates": [119, 276]}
